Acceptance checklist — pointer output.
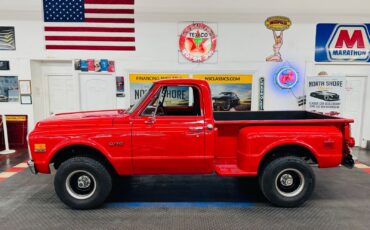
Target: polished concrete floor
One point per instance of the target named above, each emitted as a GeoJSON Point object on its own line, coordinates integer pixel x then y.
{"type": "Point", "coordinates": [341, 200]}
{"type": "Point", "coordinates": [362, 155]}
{"type": "Point", "coordinates": [9, 160]}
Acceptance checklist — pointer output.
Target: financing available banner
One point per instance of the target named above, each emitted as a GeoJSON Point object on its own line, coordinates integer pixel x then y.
{"type": "Point", "coordinates": [230, 92]}
{"type": "Point", "coordinates": [325, 95]}
{"type": "Point", "coordinates": [141, 82]}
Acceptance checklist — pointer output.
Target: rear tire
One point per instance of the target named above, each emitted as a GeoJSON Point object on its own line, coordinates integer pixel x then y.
{"type": "Point", "coordinates": [82, 183]}
{"type": "Point", "coordinates": [287, 181]}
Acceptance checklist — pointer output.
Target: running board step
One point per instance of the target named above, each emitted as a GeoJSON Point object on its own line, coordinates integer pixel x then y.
{"type": "Point", "coordinates": [231, 170]}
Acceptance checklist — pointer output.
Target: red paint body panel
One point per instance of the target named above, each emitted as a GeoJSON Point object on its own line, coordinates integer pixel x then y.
{"type": "Point", "coordinates": [135, 145]}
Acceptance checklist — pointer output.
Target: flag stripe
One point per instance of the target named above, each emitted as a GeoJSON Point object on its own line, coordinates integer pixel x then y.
{"type": "Point", "coordinates": [83, 24]}
{"type": "Point", "coordinates": [110, 20]}
{"type": "Point", "coordinates": [131, 16]}
{"type": "Point", "coordinates": [90, 29]}
{"type": "Point", "coordinates": [109, 11]}
{"type": "Point", "coordinates": [104, 6]}
{"type": "Point", "coordinates": [90, 43]}
{"type": "Point", "coordinates": [125, 2]}
{"type": "Point", "coordinates": [89, 38]}
{"type": "Point", "coordinates": [81, 47]}
{"type": "Point", "coordinates": [89, 34]}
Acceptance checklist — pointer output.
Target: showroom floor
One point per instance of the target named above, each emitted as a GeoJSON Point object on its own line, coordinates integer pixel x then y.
{"type": "Point", "coordinates": [340, 201]}
{"type": "Point", "coordinates": [9, 160]}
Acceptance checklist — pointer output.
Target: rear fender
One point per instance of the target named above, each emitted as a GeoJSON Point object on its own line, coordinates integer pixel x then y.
{"type": "Point", "coordinates": [323, 142]}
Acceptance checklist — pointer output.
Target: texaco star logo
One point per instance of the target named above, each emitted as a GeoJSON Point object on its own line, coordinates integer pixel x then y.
{"type": "Point", "coordinates": [197, 42]}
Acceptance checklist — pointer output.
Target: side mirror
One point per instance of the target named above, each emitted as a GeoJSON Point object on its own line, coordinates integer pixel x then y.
{"type": "Point", "coordinates": [149, 111]}
{"type": "Point", "coordinates": [150, 120]}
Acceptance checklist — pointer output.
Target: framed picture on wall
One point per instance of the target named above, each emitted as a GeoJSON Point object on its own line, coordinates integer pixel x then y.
{"type": "Point", "coordinates": [24, 86]}
{"type": "Point", "coordinates": [120, 84]}
{"type": "Point", "coordinates": [26, 99]}
{"type": "Point", "coordinates": [7, 38]}
{"type": "Point", "coordinates": [4, 65]}
{"type": "Point", "coordinates": [9, 89]}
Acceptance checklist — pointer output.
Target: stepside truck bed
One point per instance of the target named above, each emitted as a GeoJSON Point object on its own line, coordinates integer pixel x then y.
{"type": "Point", "coordinates": [275, 117]}
{"type": "Point", "coordinates": [269, 115]}
{"type": "Point", "coordinates": [243, 138]}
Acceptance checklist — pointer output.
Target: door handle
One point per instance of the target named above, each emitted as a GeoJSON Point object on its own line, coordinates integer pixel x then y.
{"type": "Point", "coordinates": [195, 129]}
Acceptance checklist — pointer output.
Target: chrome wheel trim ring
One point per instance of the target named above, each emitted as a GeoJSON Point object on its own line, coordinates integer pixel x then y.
{"type": "Point", "coordinates": [290, 173]}
{"type": "Point", "coordinates": [71, 191]}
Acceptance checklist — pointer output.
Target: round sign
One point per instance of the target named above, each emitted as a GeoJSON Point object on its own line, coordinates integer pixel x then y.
{"type": "Point", "coordinates": [286, 78]}
{"type": "Point", "coordinates": [197, 42]}
{"type": "Point", "coordinates": [278, 23]}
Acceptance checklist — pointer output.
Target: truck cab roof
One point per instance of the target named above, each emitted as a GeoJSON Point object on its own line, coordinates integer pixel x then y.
{"type": "Point", "coordinates": [181, 81]}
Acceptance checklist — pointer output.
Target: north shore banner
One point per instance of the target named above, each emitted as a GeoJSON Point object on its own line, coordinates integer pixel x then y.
{"type": "Point", "coordinates": [230, 92]}
{"type": "Point", "coordinates": [325, 94]}
{"type": "Point", "coordinates": [141, 82]}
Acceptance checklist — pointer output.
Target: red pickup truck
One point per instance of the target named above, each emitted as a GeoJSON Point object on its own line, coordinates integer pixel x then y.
{"type": "Point", "coordinates": [158, 136]}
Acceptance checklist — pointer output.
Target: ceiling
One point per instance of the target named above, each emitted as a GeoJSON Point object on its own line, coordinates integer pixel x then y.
{"type": "Point", "coordinates": [217, 9]}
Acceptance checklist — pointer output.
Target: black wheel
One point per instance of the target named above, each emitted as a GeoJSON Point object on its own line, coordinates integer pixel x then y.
{"type": "Point", "coordinates": [82, 183]}
{"type": "Point", "coordinates": [226, 106]}
{"type": "Point", "coordinates": [287, 181]}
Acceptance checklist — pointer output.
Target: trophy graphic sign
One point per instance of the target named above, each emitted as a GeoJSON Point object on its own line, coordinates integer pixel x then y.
{"type": "Point", "coordinates": [277, 24]}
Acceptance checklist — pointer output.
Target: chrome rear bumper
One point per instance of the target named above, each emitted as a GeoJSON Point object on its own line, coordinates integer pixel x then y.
{"type": "Point", "coordinates": [31, 166]}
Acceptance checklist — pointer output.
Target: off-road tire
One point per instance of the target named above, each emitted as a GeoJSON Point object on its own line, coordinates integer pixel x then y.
{"type": "Point", "coordinates": [99, 175]}
{"type": "Point", "coordinates": [272, 187]}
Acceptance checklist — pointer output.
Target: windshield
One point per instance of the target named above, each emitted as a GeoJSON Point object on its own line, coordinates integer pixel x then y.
{"type": "Point", "coordinates": [133, 108]}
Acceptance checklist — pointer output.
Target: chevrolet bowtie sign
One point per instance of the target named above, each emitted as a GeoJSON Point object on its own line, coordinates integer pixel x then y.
{"type": "Point", "coordinates": [342, 43]}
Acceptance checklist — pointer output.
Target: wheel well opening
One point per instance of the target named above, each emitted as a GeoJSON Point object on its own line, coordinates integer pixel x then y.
{"type": "Point", "coordinates": [288, 150]}
{"type": "Point", "coordinates": [81, 151]}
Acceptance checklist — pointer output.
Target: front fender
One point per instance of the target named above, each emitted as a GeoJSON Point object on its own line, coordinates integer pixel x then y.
{"type": "Point", "coordinates": [42, 159]}
{"type": "Point", "coordinates": [68, 141]}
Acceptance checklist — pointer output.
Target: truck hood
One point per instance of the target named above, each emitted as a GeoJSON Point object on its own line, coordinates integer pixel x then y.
{"type": "Point", "coordinates": [82, 119]}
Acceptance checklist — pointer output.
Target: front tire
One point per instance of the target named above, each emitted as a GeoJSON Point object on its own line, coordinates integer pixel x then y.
{"type": "Point", "coordinates": [287, 181]}
{"type": "Point", "coordinates": [82, 183]}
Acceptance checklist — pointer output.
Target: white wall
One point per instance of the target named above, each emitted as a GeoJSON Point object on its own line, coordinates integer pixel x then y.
{"type": "Point", "coordinates": [242, 47]}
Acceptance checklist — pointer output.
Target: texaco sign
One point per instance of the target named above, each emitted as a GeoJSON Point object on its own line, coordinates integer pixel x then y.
{"type": "Point", "coordinates": [197, 42]}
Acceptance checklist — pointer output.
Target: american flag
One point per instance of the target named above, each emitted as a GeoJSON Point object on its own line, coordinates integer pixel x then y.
{"type": "Point", "coordinates": [89, 24]}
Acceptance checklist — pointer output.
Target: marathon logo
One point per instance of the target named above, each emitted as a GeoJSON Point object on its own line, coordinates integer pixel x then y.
{"type": "Point", "coordinates": [349, 42]}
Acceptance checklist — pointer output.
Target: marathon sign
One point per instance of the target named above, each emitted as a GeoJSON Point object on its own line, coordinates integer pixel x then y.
{"type": "Point", "coordinates": [342, 42]}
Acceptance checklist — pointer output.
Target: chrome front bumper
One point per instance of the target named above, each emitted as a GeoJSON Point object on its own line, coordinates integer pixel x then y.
{"type": "Point", "coordinates": [31, 166]}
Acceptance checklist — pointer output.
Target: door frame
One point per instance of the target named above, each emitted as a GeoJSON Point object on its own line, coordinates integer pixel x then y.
{"type": "Point", "coordinates": [361, 137]}
{"type": "Point", "coordinates": [45, 87]}
{"type": "Point", "coordinates": [348, 70]}
{"type": "Point", "coordinates": [111, 74]}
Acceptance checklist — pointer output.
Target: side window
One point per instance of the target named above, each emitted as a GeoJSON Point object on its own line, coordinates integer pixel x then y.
{"type": "Point", "coordinates": [175, 101]}
{"type": "Point", "coordinates": [151, 108]}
